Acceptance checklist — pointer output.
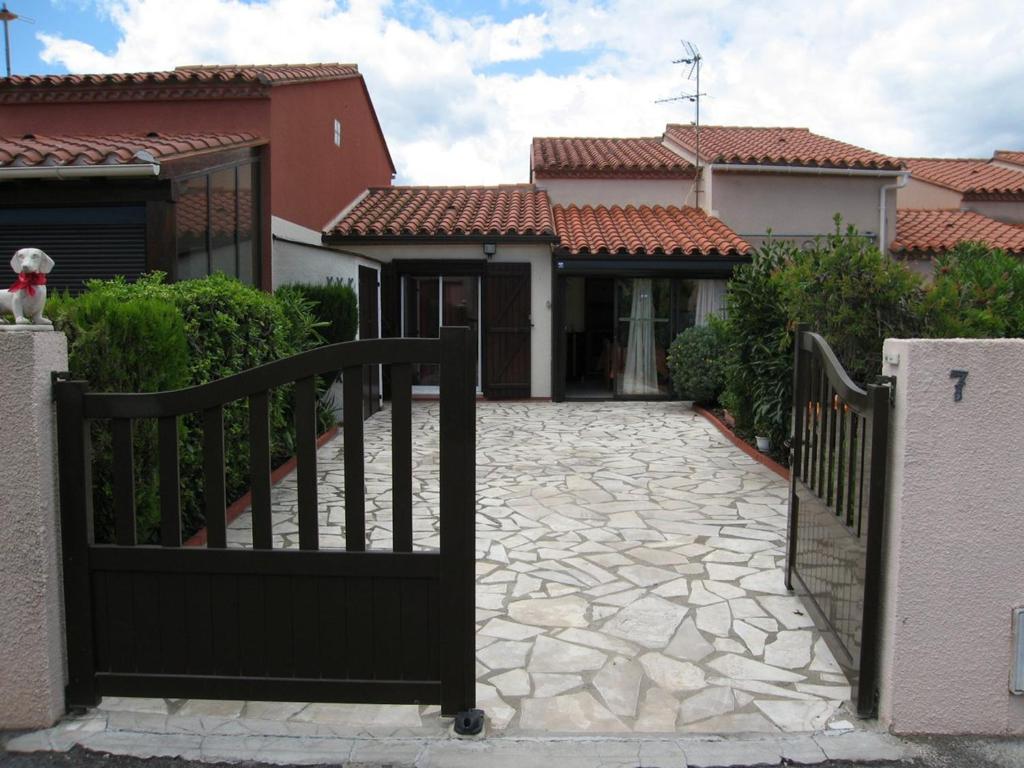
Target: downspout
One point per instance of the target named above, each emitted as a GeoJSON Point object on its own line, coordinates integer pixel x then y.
{"type": "Point", "coordinates": [882, 211]}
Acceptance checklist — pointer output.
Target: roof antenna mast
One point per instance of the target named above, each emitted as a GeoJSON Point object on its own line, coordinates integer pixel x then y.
{"type": "Point", "coordinates": [693, 58]}
{"type": "Point", "coordinates": [7, 17]}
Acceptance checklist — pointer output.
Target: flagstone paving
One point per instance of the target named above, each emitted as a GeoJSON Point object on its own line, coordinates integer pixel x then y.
{"type": "Point", "coordinates": [628, 576]}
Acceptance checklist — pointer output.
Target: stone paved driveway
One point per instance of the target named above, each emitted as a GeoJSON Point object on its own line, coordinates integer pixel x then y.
{"type": "Point", "coordinates": [628, 572]}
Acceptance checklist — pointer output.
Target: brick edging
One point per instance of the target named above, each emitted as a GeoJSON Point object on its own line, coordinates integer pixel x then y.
{"type": "Point", "coordinates": [743, 445]}
{"type": "Point", "coordinates": [236, 508]}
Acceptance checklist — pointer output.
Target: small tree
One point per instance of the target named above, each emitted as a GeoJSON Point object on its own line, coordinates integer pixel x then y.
{"type": "Point", "coordinates": [978, 292]}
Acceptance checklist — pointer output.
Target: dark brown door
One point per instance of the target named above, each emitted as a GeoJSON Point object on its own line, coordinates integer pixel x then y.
{"type": "Point", "coordinates": [506, 330]}
{"type": "Point", "coordinates": [369, 329]}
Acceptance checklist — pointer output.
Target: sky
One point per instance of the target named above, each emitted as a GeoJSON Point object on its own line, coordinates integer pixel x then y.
{"type": "Point", "coordinates": [461, 86]}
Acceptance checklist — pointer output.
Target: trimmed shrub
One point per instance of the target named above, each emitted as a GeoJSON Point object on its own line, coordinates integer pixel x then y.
{"type": "Point", "coordinates": [334, 305]}
{"type": "Point", "coordinates": [696, 362]}
{"type": "Point", "coordinates": [228, 327]}
{"type": "Point", "coordinates": [124, 346]}
{"type": "Point", "coordinates": [978, 292]}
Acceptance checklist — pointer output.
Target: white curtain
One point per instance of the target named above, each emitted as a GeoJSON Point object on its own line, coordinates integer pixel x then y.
{"type": "Point", "coordinates": [710, 300]}
{"type": "Point", "coordinates": [640, 375]}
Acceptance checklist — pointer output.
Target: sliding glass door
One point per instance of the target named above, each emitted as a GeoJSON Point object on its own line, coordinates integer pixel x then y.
{"type": "Point", "coordinates": [428, 302]}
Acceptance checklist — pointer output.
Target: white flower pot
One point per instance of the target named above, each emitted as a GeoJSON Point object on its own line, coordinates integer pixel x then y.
{"type": "Point", "coordinates": [764, 444]}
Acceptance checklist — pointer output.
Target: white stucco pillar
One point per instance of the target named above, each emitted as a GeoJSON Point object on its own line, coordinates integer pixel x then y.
{"type": "Point", "coordinates": [31, 631]}
{"type": "Point", "coordinates": [954, 537]}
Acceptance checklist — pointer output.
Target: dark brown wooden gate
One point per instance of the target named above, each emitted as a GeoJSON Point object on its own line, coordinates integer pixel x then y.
{"type": "Point", "coordinates": [837, 508]}
{"type": "Point", "coordinates": [369, 328]}
{"type": "Point", "coordinates": [507, 329]}
{"type": "Point", "coordinates": [268, 623]}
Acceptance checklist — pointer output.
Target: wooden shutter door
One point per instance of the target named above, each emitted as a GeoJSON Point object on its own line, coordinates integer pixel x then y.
{"type": "Point", "coordinates": [506, 331]}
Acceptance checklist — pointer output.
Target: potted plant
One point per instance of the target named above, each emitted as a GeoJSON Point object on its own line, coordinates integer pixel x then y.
{"type": "Point", "coordinates": [762, 430]}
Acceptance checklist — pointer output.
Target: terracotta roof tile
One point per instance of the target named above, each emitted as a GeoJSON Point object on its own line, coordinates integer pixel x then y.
{"type": "Point", "coordinates": [448, 212]}
{"type": "Point", "coordinates": [922, 233]}
{"type": "Point", "coordinates": [183, 82]}
{"type": "Point", "coordinates": [975, 179]}
{"type": "Point", "coordinates": [1009, 156]}
{"type": "Point", "coordinates": [603, 158]}
{"type": "Point", "coordinates": [115, 149]}
{"type": "Point", "coordinates": [776, 146]}
{"type": "Point", "coordinates": [644, 230]}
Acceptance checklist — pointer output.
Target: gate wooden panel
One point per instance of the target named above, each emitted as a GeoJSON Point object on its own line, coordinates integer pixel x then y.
{"type": "Point", "coordinates": [369, 328]}
{"type": "Point", "coordinates": [837, 507]}
{"type": "Point", "coordinates": [507, 328]}
{"type": "Point", "coordinates": [263, 623]}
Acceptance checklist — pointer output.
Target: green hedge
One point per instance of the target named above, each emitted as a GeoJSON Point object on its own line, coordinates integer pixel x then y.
{"type": "Point", "coordinates": [696, 361]}
{"type": "Point", "coordinates": [218, 327]}
{"type": "Point", "coordinates": [334, 305]}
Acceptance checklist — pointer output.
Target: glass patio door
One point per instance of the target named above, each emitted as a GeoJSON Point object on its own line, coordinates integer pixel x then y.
{"type": "Point", "coordinates": [643, 331]}
{"type": "Point", "coordinates": [428, 302]}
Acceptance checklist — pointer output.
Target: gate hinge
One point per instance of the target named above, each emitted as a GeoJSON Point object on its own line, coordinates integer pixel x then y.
{"type": "Point", "coordinates": [890, 382]}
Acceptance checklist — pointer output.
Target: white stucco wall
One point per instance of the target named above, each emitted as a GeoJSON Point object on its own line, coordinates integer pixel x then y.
{"type": "Point", "coordinates": [537, 255]}
{"type": "Point", "coordinates": [31, 631]}
{"type": "Point", "coordinates": [1010, 212]}
{"type": "Point", "coordinates": [921, 194]}
{"type": "Point", "coordinates": [312, 263]}
{"type": "Point", "coordinates": [954, 537]}
{"type": "Point", "coordinates": [798, 205]}
{"type": "Point", "coordinates": [618, 191]}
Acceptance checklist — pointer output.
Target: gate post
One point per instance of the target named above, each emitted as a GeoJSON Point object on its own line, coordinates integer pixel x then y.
{"type": "Point", "coordinates": [31, 636]}
{"type": "Point", "coordinates": [458, 521]}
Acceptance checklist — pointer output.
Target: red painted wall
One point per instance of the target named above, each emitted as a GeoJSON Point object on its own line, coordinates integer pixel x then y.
{"type": "Point", "coordinates": [313, 180]}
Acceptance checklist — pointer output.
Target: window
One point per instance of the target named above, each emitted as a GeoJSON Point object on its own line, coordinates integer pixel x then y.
{"type": "Point", "coordinates": [217, 216]}
{"type": "Point", "coordinates": [337, 133]}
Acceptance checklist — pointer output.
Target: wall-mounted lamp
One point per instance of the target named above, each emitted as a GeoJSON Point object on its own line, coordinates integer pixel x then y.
{"type": "Point", "coordinates": [490, 249]}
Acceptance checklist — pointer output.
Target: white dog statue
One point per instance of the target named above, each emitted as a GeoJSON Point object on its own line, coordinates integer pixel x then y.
{"type": "Point", "coordinates": [26, 297]}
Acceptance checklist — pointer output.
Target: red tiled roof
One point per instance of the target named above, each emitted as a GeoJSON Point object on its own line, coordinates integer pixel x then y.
{"type": "Point", "coordinates": [975, 179]}
{"type": "Point", "coordinates": [921, 233]}
{"type": "Point", "coordinates": [644, 230]}
{"type": "Point", "coordinates": [776, 146]}
{"type": "Point", "coordinates": [1009, 156]}
{"type": "Point", "coordinates": [448, 212]}
{"type": "Point", "coordinates": [603, 158]}
{"type": "Point", "coordinates": [237, 81]}
{"type": "Point", "coordinates": [116, 149]}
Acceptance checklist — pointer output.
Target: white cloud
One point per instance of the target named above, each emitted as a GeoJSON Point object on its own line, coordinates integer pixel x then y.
{"type": "Point", "coordinates": [916, 77]}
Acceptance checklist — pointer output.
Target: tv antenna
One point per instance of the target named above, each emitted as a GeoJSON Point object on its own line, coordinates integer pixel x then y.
{"type": "Point", "coordinates": [7, 17]}
{"type": "Point", "coordinates": [693, 59]}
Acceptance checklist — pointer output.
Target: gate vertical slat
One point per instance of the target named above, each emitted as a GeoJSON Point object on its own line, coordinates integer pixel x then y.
{"type": "Point", "coordinates": [259, 469]}
{"type": "Point", "coordinates": [170, 482]}
{"type": "Point", "coordinates": [305, 454]}
{"type": "Point", "coordinates": [870, 642]}
{"type": "Point", "coordinates": [401, 457]}
{"type": "Point", "coordinates": [214, 492]}
{"type": "Point", "coordinates": [124, 483]}
{"type": "Point", "coordinates": [355, 499]}
{"type": "Point", "coordinates": [840, 465]}
{"type": "Point", "coordinates": [73, 456]}
{"type": "Point", "coordinates": [799, 431]}
{"type": "Point", "coordinates": [458, 520]}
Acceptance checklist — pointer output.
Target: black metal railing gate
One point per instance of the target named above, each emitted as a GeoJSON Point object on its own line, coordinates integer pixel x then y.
{"type": "Point", "coordinates": [837, 508]}
{"type": "Point", "coordinates": [269, 623]}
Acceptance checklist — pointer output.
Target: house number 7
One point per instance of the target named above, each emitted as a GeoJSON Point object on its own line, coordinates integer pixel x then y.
{"type": "Point", "coordinates": [958, 388]}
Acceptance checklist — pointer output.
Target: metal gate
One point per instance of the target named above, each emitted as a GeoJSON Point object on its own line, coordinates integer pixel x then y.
{"type": "Point", "coordinates": [837, 508]}
{"type": "Point", "coordinates": [269, 623]}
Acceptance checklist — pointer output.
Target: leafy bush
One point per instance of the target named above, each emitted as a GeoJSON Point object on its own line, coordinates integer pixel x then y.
{"type": "Point", "coordinates": [759, 357]}
{"type": "Point", "coordinates": [124, 346]}
{"type": "Point", "coordinates": [696, 362]}
{"type": "Point", "coordinates": [852, 294]}
{"type": "Point", "coordinates": [335, 305]}
{"type": "Point", "coordinates": [228, 327]}
{"type": "Point", "coordinates": [978, 292]}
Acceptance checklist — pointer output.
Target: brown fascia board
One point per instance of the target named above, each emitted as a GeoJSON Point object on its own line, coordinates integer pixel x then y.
{"type": "Point", "coordinates": [564, 253]}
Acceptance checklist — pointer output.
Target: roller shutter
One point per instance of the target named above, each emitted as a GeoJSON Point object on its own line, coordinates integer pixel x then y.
{"type": "Point", "coordinates": [85, 243]}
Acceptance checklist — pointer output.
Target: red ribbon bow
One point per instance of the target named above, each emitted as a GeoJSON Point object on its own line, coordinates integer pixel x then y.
{"type": "Point", "coordinates": [28, 281]}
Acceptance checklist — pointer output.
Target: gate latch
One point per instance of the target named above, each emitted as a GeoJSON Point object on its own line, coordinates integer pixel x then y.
{"type": "Point", "coordinates": [890, 382]}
